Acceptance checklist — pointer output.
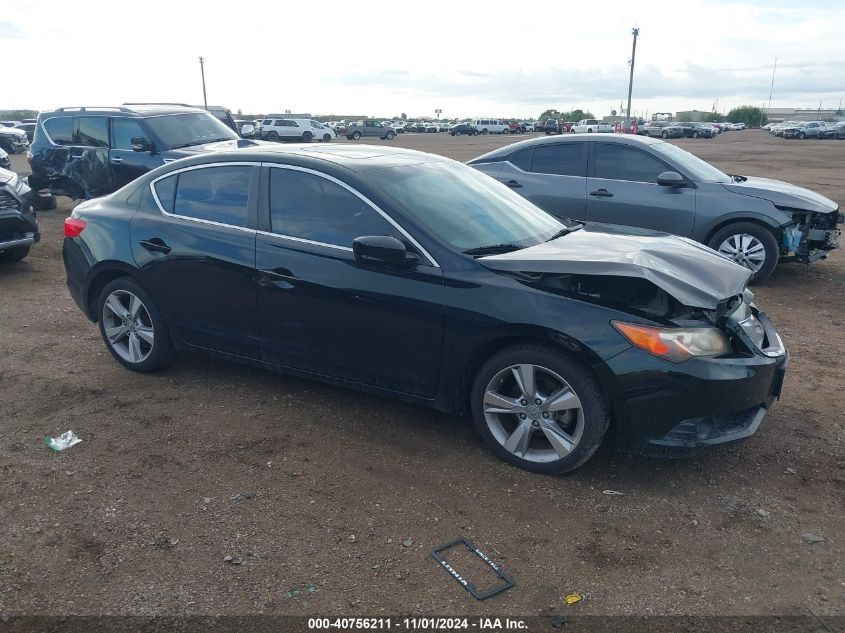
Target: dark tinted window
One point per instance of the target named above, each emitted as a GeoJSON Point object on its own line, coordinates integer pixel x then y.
{"type": "Point", "coordinates": [617, 162]}
{"type": "Point", "coordinates": [522, 159]}
{"type": "Point", "coordinates": [60, 130]}
{"type": "Point", "coordinates": [219, 194]}
{"type": "Point", "coordinates": [165, 190]}
{"type": "Point", "coordinates": [564, 159]}
{"type": "Point", "coordinates": [124, 130]}
{"type": "Point", "coordinates": [313, 208]}
{"type": "Point", "coordinates": [92, 131]}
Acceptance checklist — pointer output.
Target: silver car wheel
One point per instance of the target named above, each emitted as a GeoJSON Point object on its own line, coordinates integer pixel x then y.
{"type": "Point", "coordinates": [128, 326]}
{"type": "Point", "coordinates": [533, 413]}
{"type": "Point", "coordinates": [746, 250]}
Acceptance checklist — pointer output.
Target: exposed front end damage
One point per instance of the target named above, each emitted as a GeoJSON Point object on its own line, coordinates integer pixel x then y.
{"type": "Point", "coordinates": [810, 236]}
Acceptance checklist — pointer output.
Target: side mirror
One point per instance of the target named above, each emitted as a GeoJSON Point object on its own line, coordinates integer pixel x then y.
{"type": "Point", "coordinates": [379, 249]}
{"type": "Point", "coordinates": [671, 179]}
{"type": "Point", "coordinates": [142, 144]}
{"type": "Point", "coordinates": [248, 129]}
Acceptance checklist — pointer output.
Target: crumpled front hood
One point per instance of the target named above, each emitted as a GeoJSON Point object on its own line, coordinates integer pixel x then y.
{"type": "Point", "coordinates": [217, 146]}
{"type": "Point", "coordinates": [783, 194]}
{"type": "Point", "coordinates": [693, 274]}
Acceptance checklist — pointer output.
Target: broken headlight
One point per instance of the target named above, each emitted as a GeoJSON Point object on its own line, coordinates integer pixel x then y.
{"type": "Point", "coordinates": [750, 324]}
{"type": "Point", "coordinates": [675, 344]}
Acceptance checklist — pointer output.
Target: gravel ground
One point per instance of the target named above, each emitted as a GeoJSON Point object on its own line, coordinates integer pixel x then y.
{"type": "Point", "coordinates": [329, 501]}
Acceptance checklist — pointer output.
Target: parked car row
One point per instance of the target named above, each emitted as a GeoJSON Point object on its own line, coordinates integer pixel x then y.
{"type": "Point", "coordinates": [807, 129]}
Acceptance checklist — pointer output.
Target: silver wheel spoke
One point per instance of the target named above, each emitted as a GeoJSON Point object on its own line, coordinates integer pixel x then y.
{"type": "Point", "coordinates": [524, 376]}
{"type": "Point", "coordinates": [562, 400]}
{"type": "Point", "coordinates": [135, 354]}
{"type": "Point", "coordinates": [116, 333]}
{"type": "Point", "coordinates": [520, 439]}
{"type": "Point", "coordinates": [497, 403]}
{"type": "Point", "coordinates": [561, 442]}
{"type": "Point", "coordinates": [145, 334]}
{"type": "Point", "coordinates": [113, 304]}
{"type": "Point", "coordinates": [134, 306]}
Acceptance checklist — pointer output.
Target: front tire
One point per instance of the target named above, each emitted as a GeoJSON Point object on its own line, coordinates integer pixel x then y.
{"type": "Point", "coordinates": [133, 328]}
{"type": "Point", "coordinates": [538, 409]}
{"type": "Point", "coordinates": [307, 137]}
{"type": "Point", "coordinates": [327, 138]}
{"type": "Point", "coordinates": [389, 136]}
{"type": "Point", "coordinates": [750, 245]}
{"type": "Point", "coordinates": [484, 131]}
{"type": "Point", "coordinates": [695, 134]}
{"type": "Point", "coordinates": [356, 136]}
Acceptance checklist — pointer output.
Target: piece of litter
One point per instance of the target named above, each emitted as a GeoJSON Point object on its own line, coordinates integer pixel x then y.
{"type": "Point", "coordinates": [813, 538]}
{"type": "Point", "coordinates": [311, 587]}
{"type": "Point", "coordinates": [612, 492]}
{"type": "Point", "coordinates": [790, 471]}
{"type": "Point", "coordinates": [65, 440]}
{"type": "Point", "coordinates": [572, 598]}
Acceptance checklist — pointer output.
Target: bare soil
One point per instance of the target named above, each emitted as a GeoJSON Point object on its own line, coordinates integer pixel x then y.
{"type": "Point", "coordinates": [329, 501]}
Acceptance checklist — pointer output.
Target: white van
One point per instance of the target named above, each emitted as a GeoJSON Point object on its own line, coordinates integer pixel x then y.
{"type": "Point", "coordinates": [304, 130]}
{"type": "Point", "coordinates": [490, 126]}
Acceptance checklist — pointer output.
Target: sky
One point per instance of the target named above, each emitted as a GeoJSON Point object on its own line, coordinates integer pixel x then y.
{"type": "Point", "coordinates": [465, 58]}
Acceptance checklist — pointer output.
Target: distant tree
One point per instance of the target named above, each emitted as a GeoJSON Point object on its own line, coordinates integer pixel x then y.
{"type": "Point", "coordinates": [613, 112]}
{"type": "Point", "coordinates": [240, 113]}
{"type": "Point", "coordinates": [17, 115]}
{"type": "Point", "coordinates": [752, 116]}
{"type": "Point", "coordinates": [577, 115]}
{"type": "Point", "coordinates": [549, 114]}
{"type": "Point", "coordinates": [684, 117]}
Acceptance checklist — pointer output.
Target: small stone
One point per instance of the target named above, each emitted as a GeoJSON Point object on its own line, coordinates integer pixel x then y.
{"type": "Point", "coordinates": [790, 471]}
{"type": "Point", "coordinates": [249, 494]}
{"type": "Point", "coordinates": [174, 542]}
{"type": "Point", "coordinates": [408, 542]}
{"type": "Point", "coordinates": [351, 538]}
{"type": "Point", "coordinates": [813, 538]}
{"type": "Point", "coordinates": [206, 500]}
{"type": "Point", "coordinates": [227, 558]}
{"type": "Point", "coordinates": [763, 513]}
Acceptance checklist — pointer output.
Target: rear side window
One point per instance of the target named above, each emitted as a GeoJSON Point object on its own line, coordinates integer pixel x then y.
{"type": "Point", "coordinates": [92, 131]}
{"type": "Point", "coordinates": [311, 207]}
{"type": "Point", "coordinates": [216, 194]}
{"type": "Point", "coordinates": [60, 130]}
{"type": "Point", "coordinates": [617, 162]}
{"type": "Point", "coordinates": [563, 159]}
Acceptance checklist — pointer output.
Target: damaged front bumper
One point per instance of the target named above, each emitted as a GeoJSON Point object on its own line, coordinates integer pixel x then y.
{"type": "Point", "coordinates": [811, 236]}
{"type": "Point", "coordinates": [18, 222]}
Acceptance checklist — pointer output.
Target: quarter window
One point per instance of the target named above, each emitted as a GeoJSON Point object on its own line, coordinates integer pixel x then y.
{"type": "Point", "coordinates": [314, 208]}
{"type": "Point", "coordinates": [165, 191]}
{"type": "Point", "coordinates": [60, 130]}
{"type": "Point", "coordinates": [616, 162]}
{"type": "Point", "coordinates": [217, 194]}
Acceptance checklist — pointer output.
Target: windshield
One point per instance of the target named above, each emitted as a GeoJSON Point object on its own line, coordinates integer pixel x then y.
{"type": "Point", "coordinates": [692, 165]}
{"type": "Point", "coordinates": [463, 207]}
{"type": "Point", "coordinates": [184, 130]}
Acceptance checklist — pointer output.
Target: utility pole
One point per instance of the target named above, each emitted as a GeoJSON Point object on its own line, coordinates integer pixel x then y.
{"type": "Point", "coordinates": [202, 72]}
{"type": "Point", "coordinates": [772, 86]}
{"type": "Point", "coordinates": [819, 111]}
{"type": "Point", "coordinates": [634, 32]}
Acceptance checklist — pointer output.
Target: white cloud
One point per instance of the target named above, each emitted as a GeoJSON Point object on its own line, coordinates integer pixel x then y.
{"type": "Point", "coordinates": [383, 58]}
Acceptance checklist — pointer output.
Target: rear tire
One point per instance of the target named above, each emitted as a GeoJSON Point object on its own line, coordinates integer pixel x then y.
{"type": "Point", "coordinates": [664, 135]}
{"type": "Point", "coordinates": [148, 319]}
{"type": "Point", "coordinates": [327, 138]}
{"type": "Point", "coordinates": [730, 237]}
{"type": "Point", "coordinates": [563, 432]}
{"type": "Point", "coordinates": [44, 201]}
{"type": "Point", "coordinates": [14, 254]}
{"type": "Point", "coordinates": [484, 131]}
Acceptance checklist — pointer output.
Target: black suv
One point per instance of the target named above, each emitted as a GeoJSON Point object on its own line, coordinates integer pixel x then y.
{"type": "Point", "coordinates": [85, 152]}
{"type": "Point", "coordinates": [18, 224]}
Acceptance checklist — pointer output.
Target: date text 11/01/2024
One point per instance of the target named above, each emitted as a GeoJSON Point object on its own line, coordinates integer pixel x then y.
{"type": "Point", "coordinates": [418, 624]}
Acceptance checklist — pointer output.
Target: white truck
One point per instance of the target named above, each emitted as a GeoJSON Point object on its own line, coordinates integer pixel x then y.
{"type": "Point", "coordinates": [590, 125]}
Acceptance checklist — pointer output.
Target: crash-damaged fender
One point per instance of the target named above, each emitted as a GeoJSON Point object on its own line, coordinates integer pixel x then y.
{"type": "Point", "coordinates": [693, 274]}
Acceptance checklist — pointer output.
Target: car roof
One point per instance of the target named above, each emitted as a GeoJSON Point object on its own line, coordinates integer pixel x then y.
{"type": "Point", "coordinates": [145, 109]}
{"type": "Point", "coordinates": [626, 139]}
{"type": "Point", "coordinates": [355, 158]}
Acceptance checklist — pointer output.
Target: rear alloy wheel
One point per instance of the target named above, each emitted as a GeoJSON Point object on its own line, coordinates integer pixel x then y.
{"type": "Point", "coordinates": [272, 136]}
{"type": "Point", "coordinates": [539, 410]}
{"type": "Point", "coordinates": [132, 327]}
{"type": "Point", "coordinates": [749, 245]}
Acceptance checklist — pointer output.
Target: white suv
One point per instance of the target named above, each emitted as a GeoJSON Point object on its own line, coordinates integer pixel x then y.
{"type": "Point", "coordinates": [304, 130]}
{"type": "Point", "coordinates": [490, 126]}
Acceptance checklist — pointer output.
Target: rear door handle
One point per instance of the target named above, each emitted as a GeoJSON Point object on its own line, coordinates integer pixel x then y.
{"type": "Point", "coordinates": [155, 245]}
{"type": "Point", "coordinates": [601, 193]}
{"type": "Point", "coordinates": [513, 184]}
{"type": "Point", "coordinates": [272, 278]}
{"type": "Point", "coordinates": [116, 159]}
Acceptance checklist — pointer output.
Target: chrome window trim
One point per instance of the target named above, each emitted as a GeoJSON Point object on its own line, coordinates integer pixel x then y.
{"type": "Point", "coordinates": [200, 220]}
{"type": "Point", "coordinates": [355, 192]}
{"type": "Point", "coordinates": [304, 241]}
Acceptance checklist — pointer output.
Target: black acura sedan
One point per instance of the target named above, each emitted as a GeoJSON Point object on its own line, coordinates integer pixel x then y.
{"type": "Point", "coordinates": [411, 275]}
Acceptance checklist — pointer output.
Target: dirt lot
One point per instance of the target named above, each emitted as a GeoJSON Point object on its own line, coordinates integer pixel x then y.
{"type": "Point", "coordinates": [342, 495]}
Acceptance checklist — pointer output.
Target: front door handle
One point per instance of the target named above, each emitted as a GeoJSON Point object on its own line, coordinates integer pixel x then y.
{"type": "Point", "coordinates": [275, 278]}
{"type": "Point", "coordinates": [601, 193]}
{"type": "Point", "coordinates": [513, 184]}
{"type": "Point", "coordinates": [155, 245]}
{"type": "Point", "coordinates": [116, 159]}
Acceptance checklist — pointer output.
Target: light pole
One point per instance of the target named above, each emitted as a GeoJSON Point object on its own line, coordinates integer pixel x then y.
{"type": "Point", "coordinates": [202, 72]}
{"type": "Point", "coordinates": [635, 33]}
{"type": "Point", "coordinates": [772, 86]}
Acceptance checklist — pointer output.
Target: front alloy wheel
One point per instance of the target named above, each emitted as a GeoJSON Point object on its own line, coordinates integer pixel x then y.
{"type": "Point", "coordinates": [750, 245]}
{"type": "Point", "coordinates": [539, 410]}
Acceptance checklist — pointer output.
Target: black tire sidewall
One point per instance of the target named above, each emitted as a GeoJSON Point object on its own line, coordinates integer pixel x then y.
{"type": "Point", "coordinates": [162, 353]}
{"type": "Point", "coordinates": [14, 254]}
{"type": "Point", "coordinates": [763, 234]}
{"type": "Point", "coordinates": [596, 410]}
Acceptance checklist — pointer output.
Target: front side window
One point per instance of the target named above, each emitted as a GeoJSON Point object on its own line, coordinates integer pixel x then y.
{"type": "Point", "coordinates": [617, 162]}
{"type": "Point", "coordinates": [216, 194]}
{"type": "Point", "coordinates": [124, 130]}
{"type": "Point", "coordinates": [60, 130]}
{"type": "Point", "coordinates": [311, 207]}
